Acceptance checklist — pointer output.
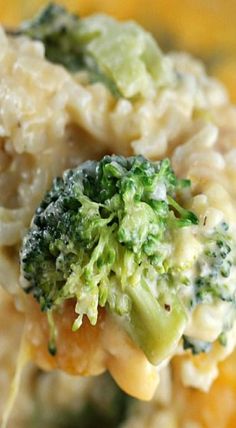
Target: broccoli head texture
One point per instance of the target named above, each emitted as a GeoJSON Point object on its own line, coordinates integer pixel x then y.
{"type": "Point", "coordinates": [214, 267]}
{"type": "Point", "coordinates": [196, 346]}
{"type": "Point", "coordinates": [102, 236]}
{"type": "Point", "coordinates": [89, 44]}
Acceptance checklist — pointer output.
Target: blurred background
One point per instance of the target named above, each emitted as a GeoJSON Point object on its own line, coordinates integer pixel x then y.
{"type": "Point", "coordinates": [206, 28]}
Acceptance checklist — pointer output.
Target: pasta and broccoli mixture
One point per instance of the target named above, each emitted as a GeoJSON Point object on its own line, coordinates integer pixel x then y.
{"type": "Point", "coordinates": [117, 223]}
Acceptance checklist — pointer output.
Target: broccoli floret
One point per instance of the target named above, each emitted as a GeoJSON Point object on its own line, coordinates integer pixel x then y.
{"type": "Point", "coordinates": [59, 31]}
{"type": "Point", "coordinates": [196, 346]}
{"type": "Point", "coordinates": [56, 28]}
{"type": "Point", "coordinates": [103, 236]}
{"type": "Point", "coordinates": [222, 339]}
{"type": "Point", "coordinates": [214, 267]}
{"type": "Point", "coordinates": [89, 44]}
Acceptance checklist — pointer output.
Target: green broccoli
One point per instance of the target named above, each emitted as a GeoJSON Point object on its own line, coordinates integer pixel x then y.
{"type": "Point", "coordinates": [89, 44]}
{"type": "Point", "coordinates": [104, 235]}
{"type": "Point", "coordinates": [57, 28]}
{"type": "Point", "coordinates": [215, 266]}
{"type": "Point", "coordinates": [196, 346]}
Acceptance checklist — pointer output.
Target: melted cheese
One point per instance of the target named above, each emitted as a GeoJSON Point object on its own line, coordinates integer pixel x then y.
{"type": "Point", "coordinates": [78, 353]}
{"type": "Point", "coordinates": [91, 350]}
{"type": "Point", "coordinates": [214, 409]}
{"type": "Point", "coordinates": [127, 363]}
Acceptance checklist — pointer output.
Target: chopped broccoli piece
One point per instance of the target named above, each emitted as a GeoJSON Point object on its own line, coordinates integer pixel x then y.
{"type": "Point", "coordinates": [214, 267]}
{"type": "Point", "coordinates": [89, 44]}
{"type": "Point", "coordinates": [56, 28]}
{"type": "Point", "coordinates": [195, 345]}
{"type": "Point", "coordinates": [222, 339]}
{"type": "Point", "coordinates": [103, 235]}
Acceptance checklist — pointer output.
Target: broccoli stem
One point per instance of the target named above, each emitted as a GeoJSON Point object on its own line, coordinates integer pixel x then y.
{"type": "Point", "coordinates": [187, 217]}
{"type": "Point", "coordinates": [156, 329]}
